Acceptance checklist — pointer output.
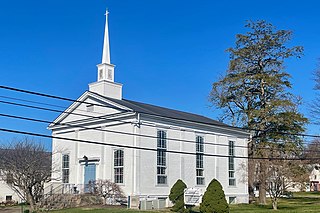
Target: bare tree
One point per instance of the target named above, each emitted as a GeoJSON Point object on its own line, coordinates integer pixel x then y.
{"type": "Point", "coordinates": [312, 153]}
{"type": "Point", "coordinates": [26, 165]}
{"type": "Point", "coordinates": [281, 176]}
{"type": "Point", "coordinates": [111, 192]}
{"type": "Point", "coordinates": [315, 104]}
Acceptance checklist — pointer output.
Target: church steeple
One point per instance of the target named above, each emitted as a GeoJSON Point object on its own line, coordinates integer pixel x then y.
{"type": "Point", "coordinates": [106, 47]}
{"type": "Point", "coordinates": [106, 69]}
{"type": "Point", "coordinates": [105, 84]}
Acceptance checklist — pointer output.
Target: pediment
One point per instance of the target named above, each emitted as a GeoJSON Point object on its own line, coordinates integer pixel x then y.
{"type": "Point", "coordinates": [89, 106]}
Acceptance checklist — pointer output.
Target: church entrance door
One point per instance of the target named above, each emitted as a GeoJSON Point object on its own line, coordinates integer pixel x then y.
{"type": "Point", "coordinates": [89, 177]}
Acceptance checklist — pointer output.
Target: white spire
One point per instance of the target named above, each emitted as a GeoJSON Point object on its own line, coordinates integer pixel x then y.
{"type": "Point", "coordinates": [106, 47]}
{"type": "Point", "coordinates": [106, 69]}
{"type": "Point", "coordinates": [105, 84]}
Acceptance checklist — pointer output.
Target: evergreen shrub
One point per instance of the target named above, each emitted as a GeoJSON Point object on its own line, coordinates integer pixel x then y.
{"type": "Point", "coordinates": [176, 196]}
{"type": "Point", "coordinates": [214, 200]}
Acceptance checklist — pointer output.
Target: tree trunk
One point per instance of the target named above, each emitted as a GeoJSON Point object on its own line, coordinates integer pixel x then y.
{"type": "Point", "coordinates": [262, 187]}
{"type": "Point", "coordinates": [31, 201]}
{"type": "Point", "coordinates": [262, 194]}
{"type": "Point", "coordinates": [251, 171]}
{"type": "Point", "coordinates": [274, 204]}
{"type": "Point", "coordinates": [251, 166]}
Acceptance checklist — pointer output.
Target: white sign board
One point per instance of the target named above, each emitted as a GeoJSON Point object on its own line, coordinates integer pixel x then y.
{"type": "Point", "coordinates": [192, 196]}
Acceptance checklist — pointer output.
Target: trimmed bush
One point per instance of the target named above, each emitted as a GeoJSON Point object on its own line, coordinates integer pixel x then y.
{"type": "Point", "coordinates": [214, 200]}
{"type": "Point", "coordinates": [176, 196]}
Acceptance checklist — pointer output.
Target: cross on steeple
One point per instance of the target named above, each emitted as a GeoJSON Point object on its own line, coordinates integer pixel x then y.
{"type": "Point", "coordinates": [106, 69]}
{"type": "Point", "coordinates": [105, 84]}
{"type": "Point", "coordinates": [106, 47]}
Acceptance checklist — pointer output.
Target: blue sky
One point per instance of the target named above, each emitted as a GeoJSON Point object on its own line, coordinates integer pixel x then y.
{"type": "Point", "coordinates": [166, 52]}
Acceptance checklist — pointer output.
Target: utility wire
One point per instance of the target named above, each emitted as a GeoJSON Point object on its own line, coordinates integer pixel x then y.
{"type": "Point", "coordinates": [118, 132]}
{"type": "Point", "coordinates": [131, 134]}
{"type": "Point", "coordinates": [108, 106]}
{"type": "Point", "coordinates": [74, 100]}
{"type": "Point", "coordinates": [112, 131]}
{"type": "Point", "coordinates": [59, 97]}
{"type": "Point", "coordinates": [45, 104]}
{"type": "Point", "coordinates": [101, 117]}
{"type": "Point", "coordinates": [64, 112]}
{"type": "Point", "coordinates": [65, 124]}
{"type": "Point", "coordinates": [146, 148]}
{"type": "Point", "coordinates": [108, 119]}
{"type": "Point", "coordinates": [104, 118]}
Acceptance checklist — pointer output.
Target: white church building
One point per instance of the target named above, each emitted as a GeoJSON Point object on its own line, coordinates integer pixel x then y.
{"type": "Point", "coordinates": [142, 147]}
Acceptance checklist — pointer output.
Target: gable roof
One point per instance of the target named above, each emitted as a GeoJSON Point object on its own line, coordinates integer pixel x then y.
{"type": "Point", "coordinates": [165, 112]}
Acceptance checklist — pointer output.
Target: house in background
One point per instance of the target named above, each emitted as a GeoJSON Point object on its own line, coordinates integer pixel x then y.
{"type": "Point", "coordinates": [7, 194]}
{"type": "Point", "coordinates": [315, 179]}
{"type": "Point", "coordinates": [142, 147]}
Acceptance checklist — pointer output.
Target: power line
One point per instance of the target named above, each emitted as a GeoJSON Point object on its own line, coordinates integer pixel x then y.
{"type": "Point", "coordinates": [94, 117]}
{"type": "Point", "coordinates": [145, 148]}
{"type": "Point", "coordinates": [119, 120]}
{"type": "Point", "coordinates": [101, 117]}
{"type": "Point", "coordinates": [112, 131]}
{"type": "Point", "coordinates": [131, 134]}
{"type": "Point", "coordinates": [63, 112]}
{"type": "Point", "coordinates": [219, 125]}
{"type": "Point", "coordinates": [59, 97]}
{"type": "Point", "coordinates": [73, 100]}
{"type": "Point", "coordinates": [45, 104]}
{"type": "Point", "coordinates": [118, 132]}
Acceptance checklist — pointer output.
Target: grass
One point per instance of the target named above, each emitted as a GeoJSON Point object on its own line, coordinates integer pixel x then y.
{"type": "Point", "coordinates": [301, 202]}
{"type": "Point", "coordinates": [106, 210]}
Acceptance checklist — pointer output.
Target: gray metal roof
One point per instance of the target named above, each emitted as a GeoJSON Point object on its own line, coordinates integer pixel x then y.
{"type": "Point", "coordinates": [165, 112]}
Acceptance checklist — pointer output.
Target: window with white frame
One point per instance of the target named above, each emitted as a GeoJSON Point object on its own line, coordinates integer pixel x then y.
{"type": "Point", "coordinates": [199, 160]}
{"type": "Point", "coordinates": [232, 179]}
{"type": "Point", "coordinates": [118, 166]}
{"type": "Point", "coordinates": [161, 157]}
{"type": "Point", "coordinates": [65, 168]}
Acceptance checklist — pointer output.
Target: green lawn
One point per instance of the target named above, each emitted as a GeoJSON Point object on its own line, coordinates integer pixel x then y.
{"type": "Point", "coordinates": [106, 210]}
{"type": "Point", "coordinates": [301, 202]}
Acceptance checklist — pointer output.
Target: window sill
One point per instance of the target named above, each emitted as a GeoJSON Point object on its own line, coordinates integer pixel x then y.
{"type": "Point", "coordinates": [162, 185]}
{"type": "Point", "coordinates": [120, 184]}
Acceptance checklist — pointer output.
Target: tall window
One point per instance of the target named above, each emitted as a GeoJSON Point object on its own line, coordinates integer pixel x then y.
{"type": "Point", "coordinates": [161, 157]}
{"type": "Point", "coordinates": [65, 168]}
{"type": "Point", "coordinates": [199, 160]}
{"type": "Point", "coordinates": [118, 166]}
{"type": "Point", "coordinates": [232, 180]}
